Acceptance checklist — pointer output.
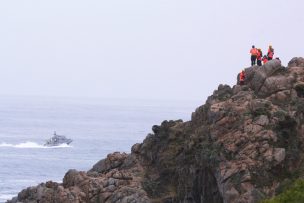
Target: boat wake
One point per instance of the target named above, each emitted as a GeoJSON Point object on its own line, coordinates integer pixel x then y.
{"type": "Point", "coordinates": [32, 145]}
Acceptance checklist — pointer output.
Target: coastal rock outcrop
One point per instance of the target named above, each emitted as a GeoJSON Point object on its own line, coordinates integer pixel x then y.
{"type": "Point", "coordinates": [240, 146]}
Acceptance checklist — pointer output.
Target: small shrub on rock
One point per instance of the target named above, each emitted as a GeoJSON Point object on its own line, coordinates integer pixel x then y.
{"type": "Point", "coordinates": [293, 195]}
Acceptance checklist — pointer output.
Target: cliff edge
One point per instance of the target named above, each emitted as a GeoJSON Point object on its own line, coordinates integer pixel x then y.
{"type": "Point", "coordinates": [243, 145]}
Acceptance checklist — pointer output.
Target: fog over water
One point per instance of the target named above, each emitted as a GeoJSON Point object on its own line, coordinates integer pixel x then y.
{"type": "Point", "coordinates": [169, 49]}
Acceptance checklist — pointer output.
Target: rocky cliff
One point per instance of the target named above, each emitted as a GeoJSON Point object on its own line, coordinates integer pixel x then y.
{"type": "Point", "coordinates": [241, 146]}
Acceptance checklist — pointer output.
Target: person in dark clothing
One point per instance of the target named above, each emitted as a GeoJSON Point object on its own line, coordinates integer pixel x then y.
{"type": "Point", "coordinates": [254, 53]}
{"type": "Point", "coordinates": [259, 57]}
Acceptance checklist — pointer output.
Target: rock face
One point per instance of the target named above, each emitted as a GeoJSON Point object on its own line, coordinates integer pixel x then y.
{"type": "Point", "coordinates": [238, 147]}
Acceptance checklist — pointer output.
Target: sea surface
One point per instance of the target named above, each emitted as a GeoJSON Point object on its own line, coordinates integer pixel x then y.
{"type": "Point", "coordinates": [97, 127]}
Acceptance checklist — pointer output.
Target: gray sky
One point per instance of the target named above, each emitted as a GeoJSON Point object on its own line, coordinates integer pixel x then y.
{"type": "Point", "coordinates": [161, 49]}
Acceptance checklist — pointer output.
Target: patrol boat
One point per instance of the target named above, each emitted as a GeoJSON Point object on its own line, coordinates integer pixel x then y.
{"type": "Point", "coordinates": [57, 140]}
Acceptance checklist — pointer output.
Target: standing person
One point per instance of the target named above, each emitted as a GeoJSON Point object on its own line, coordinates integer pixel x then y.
{"type": "Point", "coordinates": [265, 59]}
{"type": "Point", "coordinates": [242, 77]}
{"type": "Point", "coordinates": [270, 52]}
{"type": "Point", "coordinates": [254, 53]}
{"type": "Point", "coordinates": [259, 57]}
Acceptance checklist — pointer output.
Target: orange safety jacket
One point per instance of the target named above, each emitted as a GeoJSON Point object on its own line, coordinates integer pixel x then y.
{"type": "Point", "coordinates": [242, 76]}
{"type": "Point", "coordinates": [254, 51]}
{"type": "Point", "coordinates": [265, 60]}
{"type": "Point", "coordinates": [259, 56]}
{"type": "Point", "coordinates": [270, 53]}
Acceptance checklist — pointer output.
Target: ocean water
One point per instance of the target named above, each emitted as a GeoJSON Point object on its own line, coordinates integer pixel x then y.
{"type": "Point", "coordinates": [97, 127]}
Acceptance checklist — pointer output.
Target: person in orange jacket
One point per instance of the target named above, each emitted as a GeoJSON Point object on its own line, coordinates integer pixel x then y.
{"type": "Point", "coordinates": [242, 77]}
{"type": "Point", "coordinates": [270, 52]}
{"type": "Point", "coordinates": [265, 59]}
{"type": "Point", "coordinates": [254, 53]}
{"type": "Point", "coordinates": [259, 57]}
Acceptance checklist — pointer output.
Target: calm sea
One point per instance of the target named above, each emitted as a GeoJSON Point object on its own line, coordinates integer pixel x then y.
{"type": "Point", "coordinates": [97, 127]}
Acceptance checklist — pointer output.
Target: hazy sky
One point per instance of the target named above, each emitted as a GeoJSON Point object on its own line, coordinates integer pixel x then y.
{"type": "Point", "coordinates": [161, 49]}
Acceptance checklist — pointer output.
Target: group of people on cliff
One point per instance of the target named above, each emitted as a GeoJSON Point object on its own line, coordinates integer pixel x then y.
{"type": "Point", "coordinates": [257, 55]}
{"type": "Point", "coordinates": [257, 58]}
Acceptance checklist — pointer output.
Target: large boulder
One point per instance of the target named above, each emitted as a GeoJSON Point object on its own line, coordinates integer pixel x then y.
{"type": "Point", "coordinates": [275, 84]}
{"type": "Point", "coordinates": [256, 75]}
{"type": "Point", "coordinates": [112, 161]}
{"type": "Point", "coordinates": [296, 62]}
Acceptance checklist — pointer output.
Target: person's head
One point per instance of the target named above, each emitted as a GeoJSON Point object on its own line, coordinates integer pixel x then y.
{"type": "Point", "coordinates": [253, 46]}
{"type": "Point", "coordinates": [270, 46]}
